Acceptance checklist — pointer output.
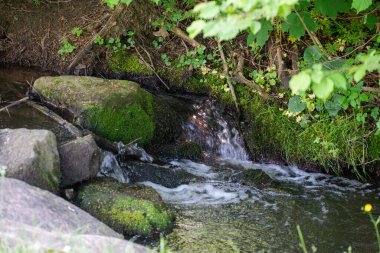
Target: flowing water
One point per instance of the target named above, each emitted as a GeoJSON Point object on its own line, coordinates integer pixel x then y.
{"type": "Point", "coordinates": [216, 210]}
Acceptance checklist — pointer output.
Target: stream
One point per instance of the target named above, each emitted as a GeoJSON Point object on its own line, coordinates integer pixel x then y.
{"type": "Point", "coordinates": [216, 210]}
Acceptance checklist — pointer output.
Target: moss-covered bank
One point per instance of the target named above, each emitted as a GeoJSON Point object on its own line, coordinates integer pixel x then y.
{"type": "Point", "coordinates": [128, 209]}
{"type": "Point", "coordinates": [117, 110]}
{"type": "Point", "coordinates": [336, 145]}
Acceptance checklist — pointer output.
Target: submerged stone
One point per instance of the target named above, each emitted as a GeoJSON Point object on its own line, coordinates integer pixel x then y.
{"type": "Point", "coordinates": [118, 110]}
{"type": "Point", "coordinates": [129, 209]}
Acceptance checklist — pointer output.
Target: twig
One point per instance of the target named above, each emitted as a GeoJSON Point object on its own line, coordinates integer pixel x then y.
{"type": "Point", "coordinates": [13, 104]}
{"type": "Point", "coordinates": [151, 66]}
{"type": "Point", "coordinates": [178, 32]}
{"type": "Point", "coordinates": [239, 77]}
{"type": "Point", "coordinates": [49, 113]}
{"type": "Point", "coordinates": [110, 23]}
{"type": "Point", "coordinates": [371, 89]}
{"type": "Point", "coordinates": [229, 82]}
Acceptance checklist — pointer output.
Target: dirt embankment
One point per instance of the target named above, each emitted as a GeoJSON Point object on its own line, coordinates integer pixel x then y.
{"type": "Point", "coordinates": [32, 35]}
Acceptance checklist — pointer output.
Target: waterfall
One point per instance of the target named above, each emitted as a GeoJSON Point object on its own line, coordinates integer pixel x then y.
{"type": "Point", "coordinates": [209, 128]}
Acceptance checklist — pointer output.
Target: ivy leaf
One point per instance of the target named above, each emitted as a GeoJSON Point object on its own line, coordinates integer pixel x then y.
{"type": "Point", "coordinates": [295, 27]}
{"type": "Point", "coordinates": [312, 54]}
{"type": "Point", "coordinates": [332, 107]}
{"type": "Point", "coordinates": [323, 89]}
{"type": "Point", "coordinates": [300, 83]}
{"type": "Point", "coordinates": [327, 8]}
{"type": "Point", "coordinates": [340, 82]}
{"type": "Point", "coordinates": [295, 104]}
{"type": "Point", "coordinates": [361, 5]}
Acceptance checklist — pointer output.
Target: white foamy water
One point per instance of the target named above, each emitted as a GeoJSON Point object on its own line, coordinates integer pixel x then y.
{"type": "Point", "coordinates": [309, 180]}
{"type": "Point", "coordinates": [200, 193]}
{"type": "Point", "coordinates": [197, 169]}
{"type": "Point", "coordinates": [208, 127]}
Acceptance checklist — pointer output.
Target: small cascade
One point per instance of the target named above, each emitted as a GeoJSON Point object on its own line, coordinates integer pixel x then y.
{"type": "Point", "coordinates": [209, 128]}
{"type": "Point", "coordinates": [110, 168]}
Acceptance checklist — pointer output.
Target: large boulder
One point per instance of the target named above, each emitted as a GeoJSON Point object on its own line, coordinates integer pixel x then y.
{"type": "Point", "coordinates": [36, 219]}
{"type": "Point", "coordinates": [118, 110]}
{"type": "Point", "coordinates": [18, 237]}
{"type": "Point", "coordinates": [30, 156]}
{"type": "Point", "coordinates": [80, 160]}
{"type": "Point", "coordinates": [129, 209]}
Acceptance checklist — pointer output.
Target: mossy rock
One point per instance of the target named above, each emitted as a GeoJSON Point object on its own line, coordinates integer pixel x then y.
{"type": "Point", "coordinates": [118, 110]}
{"type": "Point", "coordinates": [184, 150]}
{"type": "Point", "coordinates": [128, 209]}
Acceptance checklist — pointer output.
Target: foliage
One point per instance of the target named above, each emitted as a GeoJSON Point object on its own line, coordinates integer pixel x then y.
{"type": "Point", "coordinates": [66, 49]}
{"type": "Point", "coordinates": [225, 19]}
{"type": "Point", "coordinates": [77, 31]}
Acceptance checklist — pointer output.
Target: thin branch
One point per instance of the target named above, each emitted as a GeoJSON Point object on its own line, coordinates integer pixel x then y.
{"type": "Point", "coordinates": [230, 85]}
{"type": "Point", "coordinates": [5, 108]}
{"type": "Point", "coordinates": [151, 66]}
{"type": "Point", "coordinates": [240, 78]}
{"type": "Point", "coordinates": [178, 32]}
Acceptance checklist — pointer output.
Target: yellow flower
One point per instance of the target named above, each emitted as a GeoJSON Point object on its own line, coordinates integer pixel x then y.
{"type": "Point", "coordinates": [367, 208]}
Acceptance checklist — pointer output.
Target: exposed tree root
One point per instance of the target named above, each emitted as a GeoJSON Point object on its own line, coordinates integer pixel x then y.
{"type": "Point", "coordinates": [240, 78]}
{"type": "Point", "coordinates": [181, 34]}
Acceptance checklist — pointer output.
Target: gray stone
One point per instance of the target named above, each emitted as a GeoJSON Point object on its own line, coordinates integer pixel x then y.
{"type": "Point", "coordinates": [32, 206]}
{"type": "Point", "coordinates": [39, 220]}
{"type": "Point", "coordinates": [30, 156]}
{"type": "Point", "coordinates": [80, 160]}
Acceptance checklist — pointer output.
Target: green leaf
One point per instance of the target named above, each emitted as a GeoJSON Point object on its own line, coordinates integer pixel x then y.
{"type": "Point", "coordinates": [323, 89]}
{"type": "Point", "coordinates": [295, 104]}
{"type": "Point", "coordinates": [207, 10]}
{"type": "Point", "coordinates": [195, 28]}
{"type": "Point", "coordinates": [359, 74]}
{"type": "Point", "coordinates": [295, 27]}
{"type": "Point", "coordinates": [333, 107]}
{"type": "Point", "coordinates": [331, 8]}
{"type": "Point", "coordinates": [312, 54]}
{"type": "Point", "coordinates": [361, 5]}
{"type": "Point", "coordinates": [300, 83]}
{"type": "Point", "coordinates": [339, 80]}
{"type": "Point", "coordinates": [371, 21]}
{"type": "Point", "coordinates": [262, 35]}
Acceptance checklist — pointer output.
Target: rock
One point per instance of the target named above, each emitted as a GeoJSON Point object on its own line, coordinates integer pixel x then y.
{"type": "Point", "coordinates": [36, 219]}
{"type": "Point", "coordinates": [32, 206]}
{"type": "Point", "coordinates": [129, 209]}
{"type": "Point", "coordinates": [80, 160]}
{"type": "Point", "coordinates": [118, 110]}
{"type": "Point", "coordinates": [33, 239]}
{"type": "Point", "coordinates": [30, 156]}
{"type": "Point", "coordinates": [257, 178]}
{"type": "Point", "coordinates": [167, 176]}
{"type": "Point", "coordinates": [185, 150]}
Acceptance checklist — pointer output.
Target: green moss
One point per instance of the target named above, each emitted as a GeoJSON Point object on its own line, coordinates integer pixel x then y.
{"type": "Point", "coordinates": [126, 125]}
{"type": "Point", "coordinates": [374, 147]}
{"type": "Point", "coordinates": [114, 109]}
{"type": "Point", "coordinates": [125, 61]}
{"type": "Point", "coordinates": [129, 209]}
